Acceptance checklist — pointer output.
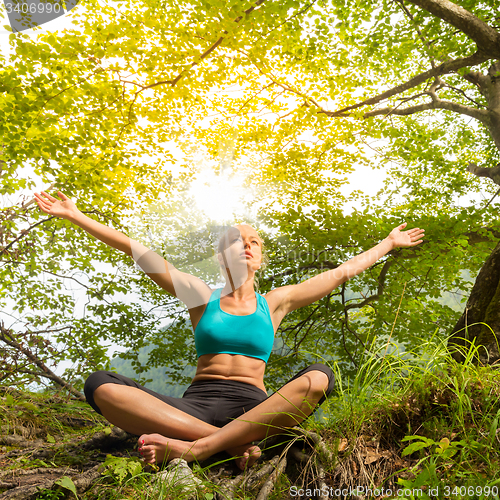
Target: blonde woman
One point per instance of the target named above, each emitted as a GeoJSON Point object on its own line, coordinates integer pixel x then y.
{"type": "Point", "coordinates": [226, 406]}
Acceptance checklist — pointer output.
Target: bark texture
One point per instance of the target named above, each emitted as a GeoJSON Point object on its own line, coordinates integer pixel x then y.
{"type": "Point", "coordinates": [480, 320]}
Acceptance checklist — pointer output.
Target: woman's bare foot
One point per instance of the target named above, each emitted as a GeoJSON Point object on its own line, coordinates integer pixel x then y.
{"type": "Point", "coordinates": [157, 449]}
{"type": "Point", "coordinates": [245, 455]}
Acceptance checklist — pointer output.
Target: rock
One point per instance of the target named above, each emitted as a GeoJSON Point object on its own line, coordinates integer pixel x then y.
{"type": "Point", "coordinates": [177, 477]}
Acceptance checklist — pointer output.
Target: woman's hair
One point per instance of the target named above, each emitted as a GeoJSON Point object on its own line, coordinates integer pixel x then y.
{"type": "Point", "coordinates": [263, 264]}
{"type": "Point", "coordinates": [225, 241]}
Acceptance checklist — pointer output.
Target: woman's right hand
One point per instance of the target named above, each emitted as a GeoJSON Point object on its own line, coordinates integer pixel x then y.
{"type": "Point", "coordinates": [189, 289]}
{"type": "Point", "coordinates": [63, 208]}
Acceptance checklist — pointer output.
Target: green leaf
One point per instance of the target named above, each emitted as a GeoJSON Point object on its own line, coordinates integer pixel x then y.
{"type": "Point", "coordinates": [444, 443]}
{"type": "Point", "coordinates": [414, 447]}
{"type": "Point", "coordinates": [29, 406]}
{"type": "Point", "coordinates": [420, 438]}
{"type": "Point", "coordinates": [67, 483]}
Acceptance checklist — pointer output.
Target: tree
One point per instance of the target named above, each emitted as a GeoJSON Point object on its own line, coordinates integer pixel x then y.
{"type": "Point", "coordinates": [85, 109]}
{"type": "Point", "coordinates": [436, 56]}
{"type": "Point", "coordinates": [456, 72]}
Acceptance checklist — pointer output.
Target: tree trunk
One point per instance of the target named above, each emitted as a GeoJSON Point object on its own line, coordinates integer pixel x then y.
{"type": "Point", "coordinates": [480, 320]}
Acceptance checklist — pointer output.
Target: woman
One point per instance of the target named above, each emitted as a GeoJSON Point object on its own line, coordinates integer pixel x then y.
{"type": "Point", "coordinates": [226, 407]}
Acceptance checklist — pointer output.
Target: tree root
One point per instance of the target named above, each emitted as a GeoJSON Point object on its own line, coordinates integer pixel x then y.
{"type": "Point", "coordinates": [26, 484]}
{"type": "Point", "coordinates": [314, 469]}
{"type": "Point", "coordinates": [323, 487]}
{"type": "Point", "coordinates": [268, 487]}
{"type": "Point", "coordinates": [316, 440]}
{"type": "Point", "coordinates": [227, 487]}
{"type": "Point", "coordinates": [15, 475]}
{"type": "Point", "coordinates": [39, 470]}
{"type": "Point", "coordinates": [298, 455]}
{"type": "Point", "coordinates": [254, 478]}
{"type": "Point", "coordinates": [82, 482]}
{"type": "Point", "coordinates": [106, 440]}
{"type": "Point", "coordinates": [19, 441]}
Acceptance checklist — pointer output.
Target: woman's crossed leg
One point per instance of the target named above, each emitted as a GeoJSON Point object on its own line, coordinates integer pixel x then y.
{"type": "Point", "coordinates": [168, 432]}
{"type": "Point", "coordinates": [140, 413]}
{"type": "Point", "coordinates": [286, 408]}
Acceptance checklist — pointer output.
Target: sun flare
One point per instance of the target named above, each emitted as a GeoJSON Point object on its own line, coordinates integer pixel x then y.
{"type": "Point", "coordinates": [220, 197]}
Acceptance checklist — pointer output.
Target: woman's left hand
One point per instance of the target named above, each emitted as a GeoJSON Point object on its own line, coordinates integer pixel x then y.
{"type": "Point", "coordinates": [410, 238]}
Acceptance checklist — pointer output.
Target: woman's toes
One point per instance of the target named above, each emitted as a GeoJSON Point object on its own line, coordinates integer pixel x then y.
{"type": "Point", "coordinates": [149, 456]}
{"type": "Point", "coordinates": [249, 457]}
{"type": "Point", "coordinates": [156, 448]}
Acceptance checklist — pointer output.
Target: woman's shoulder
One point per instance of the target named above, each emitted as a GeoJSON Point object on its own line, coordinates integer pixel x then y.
{"type": "Point", "coordinates": [275, 297]}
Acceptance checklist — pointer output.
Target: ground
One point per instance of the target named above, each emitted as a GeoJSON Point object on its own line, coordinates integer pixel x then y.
{"type": "Point", "coordinates": [437, 431]}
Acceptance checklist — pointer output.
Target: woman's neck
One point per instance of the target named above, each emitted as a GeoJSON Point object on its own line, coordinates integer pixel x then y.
{"type": "Point", "coordinates": [243, 292]}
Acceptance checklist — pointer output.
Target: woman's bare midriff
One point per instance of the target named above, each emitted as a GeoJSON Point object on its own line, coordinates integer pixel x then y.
{"type": "Point", "coordinates": [231, 367]}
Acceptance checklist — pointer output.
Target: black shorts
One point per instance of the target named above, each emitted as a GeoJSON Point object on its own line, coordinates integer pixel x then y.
{"type": "Point", "coordinates": [216, 402]}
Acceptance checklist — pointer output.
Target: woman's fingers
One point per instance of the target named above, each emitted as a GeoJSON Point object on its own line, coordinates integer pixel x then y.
{"type": "Point", "coordinates": [62, 196]}
{"type": "Point", "coordinates": [41, 201]}
{"type": "Point", "coordinates": [50, 197]}
{"type": "Point", "coordinates": [45, 204]}
{"type": "Point", "coordinates": [415, 233]}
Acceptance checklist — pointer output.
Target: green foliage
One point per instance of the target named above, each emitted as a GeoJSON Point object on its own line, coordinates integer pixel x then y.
{"type": "Point", "coordinates": [67, 483]}
{"type": "Point", "coordinates": [49, 418]}
{"type": "Point", "coordinates": [97, 111]}
{"type": "Point", "coordinates": [121, 468]}
{"type": "Point", "coordinates": [444, 448]}
{"type": "Point", "coordinates": [440, 416]}
{"type": "Point", "coordinates": [50, 495]}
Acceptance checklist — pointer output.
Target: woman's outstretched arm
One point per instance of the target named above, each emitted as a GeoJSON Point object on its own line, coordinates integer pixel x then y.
{"type": "Point", "coordinates": [66, 209]}
{"type": "Point", "coordinates": [313, 289]}
{"type": "Point", "coordinates": [191, 290]}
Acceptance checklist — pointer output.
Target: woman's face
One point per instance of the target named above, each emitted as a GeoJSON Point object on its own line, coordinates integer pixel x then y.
{"type": "Point", "coordinates": [242, 252]}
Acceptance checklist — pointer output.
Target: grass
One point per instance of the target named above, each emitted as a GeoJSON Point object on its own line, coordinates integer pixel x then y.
{"type": "Point", "coordinates": [441, 415]}
{"type": "Point", "coordinates": [48, 420]}
{"type": "Point", "coordinates": [421, 423]}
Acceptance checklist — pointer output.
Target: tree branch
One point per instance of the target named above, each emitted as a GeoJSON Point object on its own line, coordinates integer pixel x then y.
{"type": "Point", "coordinates": [492, 173]}
{"type": "Point", "coordinates": [417, 28]}
{"type": "Point", "coordinates": [486, 37]}
{"type": "Point", "coordinates": [380, 289]}
{"type": "Point", "coordinates": [443, 69]}
{"type": "Point", "coordinates": [478, 79]}
{"type": "Point", "coordinates": [494, 196]}
{"type": "Point", "coordinates": [24, 233]}
{"type": "Point", "coordinates": [7, 337]}
{"type": "Point", "coordinates": [476, 237]}
{"type": "Point", "coordinates": [479, 114]}
{"type": "Point", "coordinates": [462, 92]}
{"type": "Point", "coordinates": [22, 207]}
{"type": "Point", "coordinates": [207, 52]}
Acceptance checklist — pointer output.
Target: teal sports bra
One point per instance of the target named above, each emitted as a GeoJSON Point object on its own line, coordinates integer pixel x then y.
{"type": "Point", "coordinates": [220, 332]}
